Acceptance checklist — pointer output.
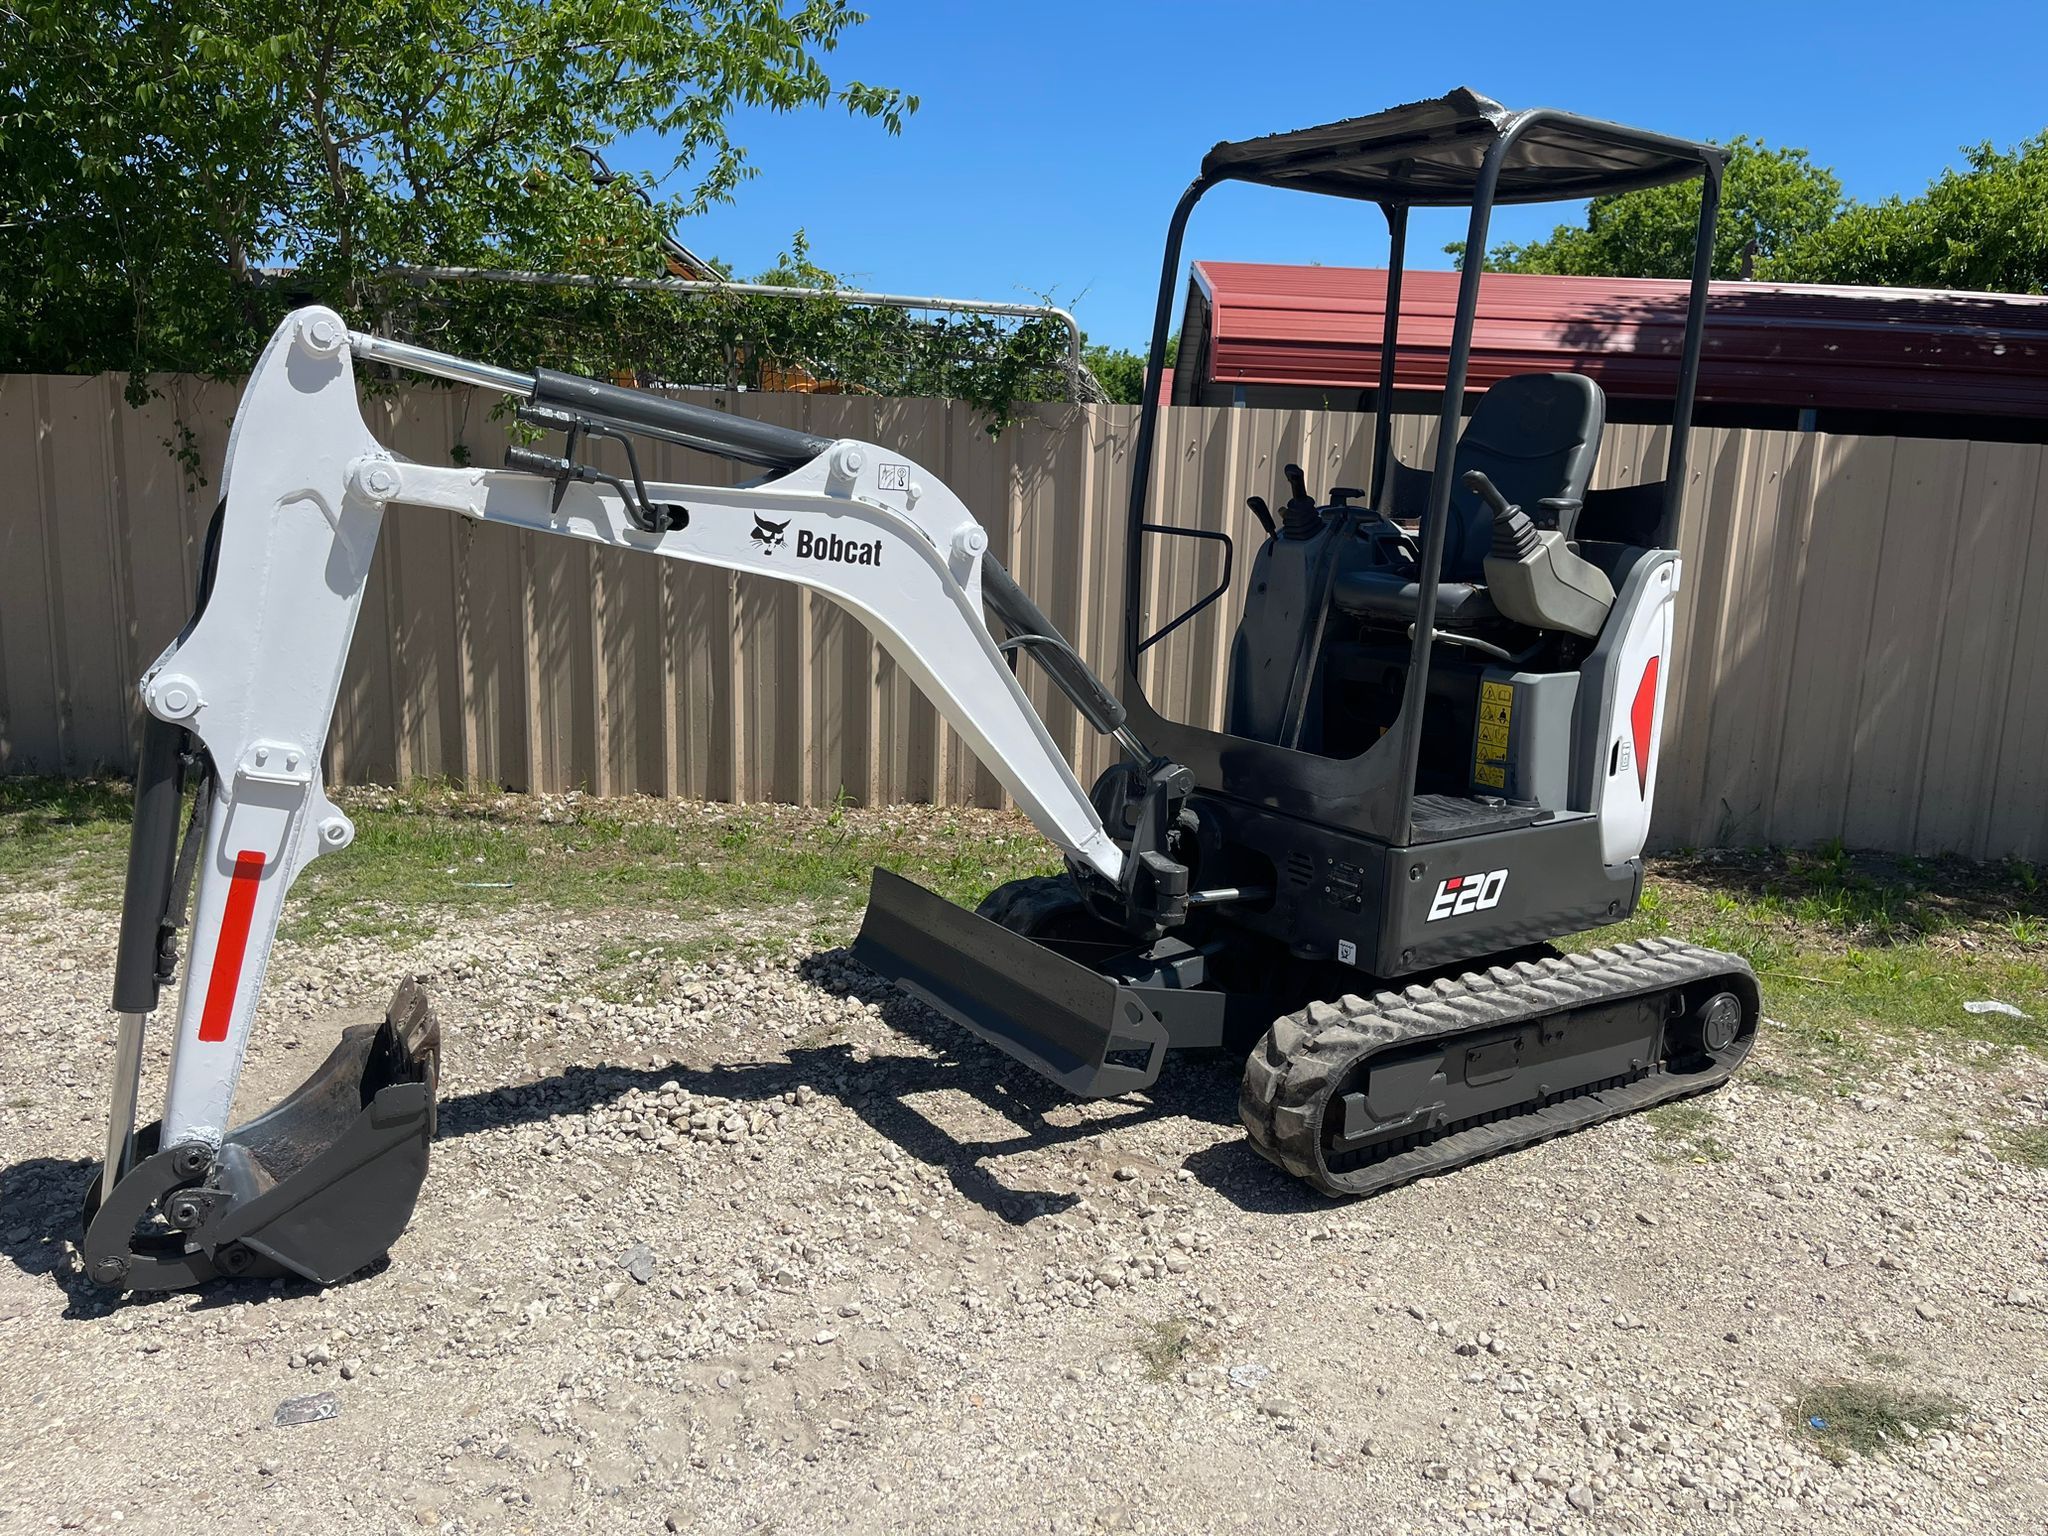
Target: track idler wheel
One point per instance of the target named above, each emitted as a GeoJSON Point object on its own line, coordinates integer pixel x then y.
{"type": "Point", "coordinates": [1716, 1029]}
{"type": "Point", "coordinates": [318, 1187]}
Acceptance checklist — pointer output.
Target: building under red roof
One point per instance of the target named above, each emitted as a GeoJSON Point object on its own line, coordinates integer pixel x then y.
{"type": "Point", "coordinates": [1906, 361]}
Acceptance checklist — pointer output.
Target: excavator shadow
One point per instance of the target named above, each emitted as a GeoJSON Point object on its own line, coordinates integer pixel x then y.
{"type": "Point", "coordinates": [1200, 1085]}
{"type": "Point", "coordinates": [909, 1100]}
{"type": "Point", "coordinates": [41, 1198]}
{"type": "Point", "coordinates": [916, 1103]}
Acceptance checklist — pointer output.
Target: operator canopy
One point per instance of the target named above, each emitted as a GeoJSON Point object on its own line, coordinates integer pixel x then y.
{"type": "Point", "coordinates": [1430, 152]}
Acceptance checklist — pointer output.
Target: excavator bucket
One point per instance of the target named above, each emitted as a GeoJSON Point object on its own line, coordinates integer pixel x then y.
{"type": "Point", "coordinates": [318, 1186]}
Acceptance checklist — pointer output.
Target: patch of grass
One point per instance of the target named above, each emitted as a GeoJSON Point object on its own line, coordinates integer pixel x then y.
{"type": "Point", "coordinates": [1863, 1417]}
{"type": "Point", "coordinates": [670, 862]}
{"type": "Point", "coordinates": [1684, 1134]}
{"type": "Point", "coordinates": [1802, 1074]}
{"type": "Point", "coordinates": [64, 830]}
{"type": "Point", "coordinates": [424, 856]}
{"type": "Point", "coordinates": [2026, 929]}
{"type": "Point", "coordinates": [1853, 948]}
{"type": "Point", "coordinates": [1168, 1346]}
{"type": "Point", "coordinates": [2026, 1145]}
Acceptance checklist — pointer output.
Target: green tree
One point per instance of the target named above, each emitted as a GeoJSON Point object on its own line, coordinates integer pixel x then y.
{"type": "Point", "coordinates": [157, 155]}
{"type": "Point", "coordinates": [1983, 228]}
{"type": "Point", "coordinates": [1120, 371]}
{"type": "Point", "coordinates": [1771, 198]}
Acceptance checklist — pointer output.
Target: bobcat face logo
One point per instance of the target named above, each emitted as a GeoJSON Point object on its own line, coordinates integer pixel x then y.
{"type": "Point", "coordinates": [769, 535]}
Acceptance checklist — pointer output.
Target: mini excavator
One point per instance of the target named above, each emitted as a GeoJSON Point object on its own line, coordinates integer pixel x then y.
{"type": "Point", "coordinates": [1438, 752]}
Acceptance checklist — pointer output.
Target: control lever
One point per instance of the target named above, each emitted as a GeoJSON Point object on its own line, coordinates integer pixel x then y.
{"type": "Point", "coordinates": [1299, 515]}
{"type": "Point", "coordinates": [1475, 481]}
{"type": "Point", "coordinates": [1262, 512]}
{"type": "Point", "coordinates": [1514, 536]}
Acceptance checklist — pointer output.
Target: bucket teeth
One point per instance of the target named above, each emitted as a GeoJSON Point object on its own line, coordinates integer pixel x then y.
{"type": "Point", "coordinates": [412, 1021]}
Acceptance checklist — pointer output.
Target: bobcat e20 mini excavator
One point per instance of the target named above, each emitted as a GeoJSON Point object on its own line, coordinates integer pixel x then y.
{"type": "Point", "coordinates": [1440, 740]}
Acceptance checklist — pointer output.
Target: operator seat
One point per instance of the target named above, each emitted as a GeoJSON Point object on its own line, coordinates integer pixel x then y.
{"type": "Point", "coordinates": [1535, 436]}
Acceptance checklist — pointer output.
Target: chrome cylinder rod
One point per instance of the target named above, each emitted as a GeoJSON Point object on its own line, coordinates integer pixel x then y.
{"type": "Point", "coordinates": [121, 1108]}
{"type": "Point", "coordinates": [439, 365]}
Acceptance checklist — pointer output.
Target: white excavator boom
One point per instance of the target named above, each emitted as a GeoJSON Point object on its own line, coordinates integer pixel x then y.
{"type": "Point", "coordinates": [254, 678]}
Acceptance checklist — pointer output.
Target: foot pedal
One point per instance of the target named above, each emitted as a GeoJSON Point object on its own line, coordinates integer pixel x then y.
{"type": "Point", "coordinates": [318, 1186]}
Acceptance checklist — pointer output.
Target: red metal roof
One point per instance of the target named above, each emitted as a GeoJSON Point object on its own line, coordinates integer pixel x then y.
{"type": "Point", "coordinates": [1890, 349]}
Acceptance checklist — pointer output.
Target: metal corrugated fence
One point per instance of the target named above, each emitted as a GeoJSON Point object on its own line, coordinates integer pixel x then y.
{"type": "Point", "coordinates": [1863, 650]}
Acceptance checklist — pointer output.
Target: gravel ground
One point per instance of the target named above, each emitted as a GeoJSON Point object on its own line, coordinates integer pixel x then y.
{"type": "Point", "coordinates": [774, 1251]}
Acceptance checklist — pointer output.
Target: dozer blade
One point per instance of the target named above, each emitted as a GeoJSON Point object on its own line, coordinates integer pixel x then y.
{"type": "Point", "coordinates": [318, 1186]}
{"type": "Point", "coordinates": [1092, 1036]}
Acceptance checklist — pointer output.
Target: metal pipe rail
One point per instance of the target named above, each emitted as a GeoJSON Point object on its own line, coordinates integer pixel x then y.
{"type": "Point", "coordinates": [1077, 371]}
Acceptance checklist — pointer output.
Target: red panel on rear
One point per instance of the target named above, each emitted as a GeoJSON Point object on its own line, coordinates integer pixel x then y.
{"type": "Point", "coordinates": [1642, 714]}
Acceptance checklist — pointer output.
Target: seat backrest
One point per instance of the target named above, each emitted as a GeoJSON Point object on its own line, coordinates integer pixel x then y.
{"type": "Point", "coordinates": [1534, 435]}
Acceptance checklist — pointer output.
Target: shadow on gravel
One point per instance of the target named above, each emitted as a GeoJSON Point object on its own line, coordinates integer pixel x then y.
{"type": "Point", "coordinates": [40, 1196]}
{"type": "Point", "coordinates": [1196, 1085]}
{"type": "Point", "coordinates": [881, 1092]}
{"type": "Point", "coordinates": [41, 1199]}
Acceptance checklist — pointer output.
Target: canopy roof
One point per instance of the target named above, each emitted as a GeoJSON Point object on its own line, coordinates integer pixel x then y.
{"type": "Point", "coordinates": [1430, 152]}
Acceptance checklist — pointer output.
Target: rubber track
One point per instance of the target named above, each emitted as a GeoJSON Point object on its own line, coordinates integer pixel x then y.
{"type": "Point", "coordinates": [1300, 1062]}
{"type": "Point", "coordinates": [1023, 905]}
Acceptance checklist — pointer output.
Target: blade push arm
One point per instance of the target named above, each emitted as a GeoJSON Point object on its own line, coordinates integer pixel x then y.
{"type": "Point", "coordinates": [255, 678]}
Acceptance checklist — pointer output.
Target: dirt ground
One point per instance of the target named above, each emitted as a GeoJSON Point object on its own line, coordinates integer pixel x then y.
{"type": "Point", "coordinates": [894, 1283]}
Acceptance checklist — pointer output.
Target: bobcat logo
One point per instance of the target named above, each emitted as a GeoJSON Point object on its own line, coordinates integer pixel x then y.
{"type": "Point", "coordinates": [769, 535]}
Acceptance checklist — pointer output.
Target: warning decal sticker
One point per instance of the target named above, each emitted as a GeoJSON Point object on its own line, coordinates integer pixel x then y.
{"type": "Point", "coordinates": [1490, 755]}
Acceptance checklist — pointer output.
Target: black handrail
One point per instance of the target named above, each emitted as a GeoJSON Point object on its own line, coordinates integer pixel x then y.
{"type": "Point", "coordinates": [1223, 586]}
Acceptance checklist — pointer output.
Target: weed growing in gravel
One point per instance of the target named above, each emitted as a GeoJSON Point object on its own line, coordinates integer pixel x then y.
{"type": "Point", "coordinates": [1864, 1417]}
{"type": "Point", "coordinates": [646, 970]}
{"type": "Point", "coordinates": [2027, 1144]}
{"type": "Point", "coordinates": [1166, 1347]}
{"type": "Point", "coordinates": [1684, 1134]}
{"type": "Point", "coordinates": [814, 1036]}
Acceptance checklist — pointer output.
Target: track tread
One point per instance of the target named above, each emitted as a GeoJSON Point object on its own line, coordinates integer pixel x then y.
{"type": "Point", "coordinates": [1299, 1062]}
{"type": "Point", "coordinates": [1026, 906]}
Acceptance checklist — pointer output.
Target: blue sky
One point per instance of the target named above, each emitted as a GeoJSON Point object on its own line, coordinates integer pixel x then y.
{"type": "Point", "coordinates": [1054, 137]}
